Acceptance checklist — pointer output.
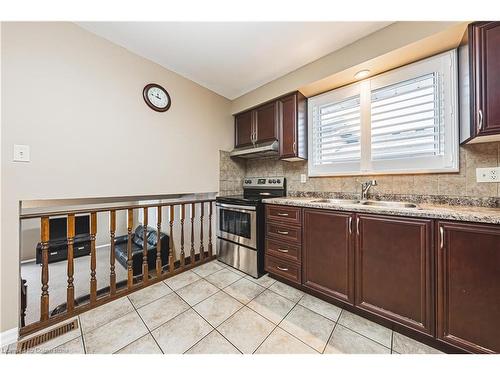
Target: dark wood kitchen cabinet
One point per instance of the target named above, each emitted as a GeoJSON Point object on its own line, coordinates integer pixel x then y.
{"type": "Point", "coordinates": [468, 286]}
{"type": "Point", "coordinates": [328, 257]}
{"type": "Point", "coordinates": [283, 119]}
{"type": "Point", "coordinates": [479, 60]}
{"type": "Point", "coordinates": [394, 268]}
{"type": "Point", "coordinates": [292, 111]}
{"type": "Point", "coordinates": [244, 129]}
{"type": "Point", "coordinates": [266, 123]}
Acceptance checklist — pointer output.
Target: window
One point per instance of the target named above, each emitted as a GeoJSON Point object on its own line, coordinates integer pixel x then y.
{"type": "Point", "coordinates": [403, 121]}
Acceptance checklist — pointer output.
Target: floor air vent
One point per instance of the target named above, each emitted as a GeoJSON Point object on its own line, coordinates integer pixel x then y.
{"type": "Point", "coordinates": [24, 346]}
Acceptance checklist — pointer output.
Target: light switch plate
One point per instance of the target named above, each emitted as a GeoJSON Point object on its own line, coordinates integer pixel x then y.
{"type": "Point", "coordinates": [303, 178]}
{"type": "Point", "coordinates": [488, 174]}
{"type": "Point", "coordinates": [21, 153]}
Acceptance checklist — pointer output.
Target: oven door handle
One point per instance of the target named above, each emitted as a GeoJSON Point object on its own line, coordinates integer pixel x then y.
{"type": "Point", "coordinates": [235, 207]}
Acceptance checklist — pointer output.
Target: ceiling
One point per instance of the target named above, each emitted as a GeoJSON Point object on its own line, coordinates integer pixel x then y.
{"type": "Point", "coordinates": [232, 58]}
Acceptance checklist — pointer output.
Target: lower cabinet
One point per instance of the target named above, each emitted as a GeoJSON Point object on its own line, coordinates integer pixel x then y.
{"type": "Point", "coordinates": [328, 257]}
{"type": "Point", "coordinates": [394, 267]}
{"type": "Point", "coordinates": [468, 286]}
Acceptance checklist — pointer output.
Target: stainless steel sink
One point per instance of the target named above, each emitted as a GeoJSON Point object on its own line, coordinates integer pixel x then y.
{"type": "Point", "coordinates": [389, 204]}
{"type": "Point", "coordinates": [336, 201]}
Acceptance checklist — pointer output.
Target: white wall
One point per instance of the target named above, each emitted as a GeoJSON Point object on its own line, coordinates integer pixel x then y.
{"type": "Point", "coordinates": [76, 99]}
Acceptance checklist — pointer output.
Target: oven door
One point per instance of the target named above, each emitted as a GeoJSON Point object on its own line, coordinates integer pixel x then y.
{"type": "Point", "coordinates": [237, 224]}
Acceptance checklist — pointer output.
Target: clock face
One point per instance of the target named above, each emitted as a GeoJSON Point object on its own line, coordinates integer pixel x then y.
{"type": "Point", "coordinates": [156, 97]}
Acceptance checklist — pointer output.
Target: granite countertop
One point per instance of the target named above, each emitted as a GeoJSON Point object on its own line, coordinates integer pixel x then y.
{"type": "Point", "coordinates": [426, 210]}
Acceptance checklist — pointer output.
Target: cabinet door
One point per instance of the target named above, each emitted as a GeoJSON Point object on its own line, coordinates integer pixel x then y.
{"type": "Point", "coordinates": [327, 258]}
{"type": "Point", "coordinates": [394, 269]}
{"type": "Point", "coordinates": [485, 64]}
{"type": "Point", "coordinates": [243, 126]}
{"type": "Point", "coordinates": [288, 126]}
{"type": "Point", "coordinates": [266, 122]}
{"type": "Point", "coordinates": [468, 293]}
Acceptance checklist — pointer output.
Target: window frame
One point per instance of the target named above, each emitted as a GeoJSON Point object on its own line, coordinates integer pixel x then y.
{"type": "Point", "coordinates": [447, 69]}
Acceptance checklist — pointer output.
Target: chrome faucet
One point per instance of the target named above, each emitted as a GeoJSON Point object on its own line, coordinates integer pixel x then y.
{"type": "Point", "coordinates": [365, 186]}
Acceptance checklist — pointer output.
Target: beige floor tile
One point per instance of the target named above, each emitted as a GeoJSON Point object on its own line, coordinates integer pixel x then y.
{"type": "Point", "coordinates": [74, 346]}
{"type": "Point", "coordinates": [244, 290]}
{"type": "Point", "coordinates": [236, 271]}
{"type": "Point", "coordinates": [286, 291]}
{"type": "Point", "coordinates": [181, 333]}
{"type": "Point", "coordinates": [311, 328]}
{"type": "Point", "coordinates": [367, 328]}
{"type": "Point", "coordinates": [162, 310]}
{"type": "Point", "coordinates": [219, 263]}
{"type": "Point", "coordinates": [181, 280]}
{"type": "Point", "coordinates": [145, 345]}
{"type": "Point", "coordinates": [218, 308]}
{"type": "Point", "coordinates": [271, 305]}
{"type": "Point", "coordinates": [149, 294]}
{"type": "Point", "coordinates": [207, 269]}
{"type": "Point", "coordinates": [54, 343]}
{"type": "Point", "coordinates": [264, 281]}
{"type": "Point", "coordinates": [321, 307]}
{"type": "Point", "coordinates": [197, 291]}
{"type": "Point", "coordinates": [405, 345]}
{"type": "Point", "coordinates": [104, 314]}
{"type": "Point", "coordinates": [115, 335]}
{"type": "Point", "coordinates": [223, 278]}
{"type": "Point", "coordinates": [246, 330]}
{"type": "Point", "coordinates": [345, 341]}
{"type": "Point", "coordinates": [213, 343]}
{"type": "Point", "coordinates": [281, 342]}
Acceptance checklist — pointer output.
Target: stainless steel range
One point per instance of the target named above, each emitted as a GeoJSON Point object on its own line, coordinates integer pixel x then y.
{"type": "Point", "coordinates": [240, 224]}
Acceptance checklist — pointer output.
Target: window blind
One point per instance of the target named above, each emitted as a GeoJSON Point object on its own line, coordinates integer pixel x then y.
{"type": "Point", "coordinates": [337, 131]}
{"type": "Point", "coordinates": [406, 119]}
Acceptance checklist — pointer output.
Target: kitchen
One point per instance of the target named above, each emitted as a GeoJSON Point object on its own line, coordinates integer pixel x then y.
{"type": "Point", "coordinates": [252, 187]}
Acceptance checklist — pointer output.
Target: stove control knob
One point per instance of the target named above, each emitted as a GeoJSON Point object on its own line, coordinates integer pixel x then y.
{"type": "Point", "coordinates": [278, 181]}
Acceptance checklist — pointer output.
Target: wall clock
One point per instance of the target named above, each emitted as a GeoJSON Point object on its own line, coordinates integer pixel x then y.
{"type": "Point", "coordinates": [156, 97]}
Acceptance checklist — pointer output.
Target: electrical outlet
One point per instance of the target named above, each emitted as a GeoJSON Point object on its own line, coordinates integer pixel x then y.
{"type": "Point", "coordinates": [488, 174]}
{"type": "Point", "coordinates": [303, 178]}
{"type": "Point", "coordinates": [21, 153]}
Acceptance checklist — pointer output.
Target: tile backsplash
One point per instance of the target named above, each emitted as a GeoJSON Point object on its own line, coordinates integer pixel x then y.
{"type": "Point", "coordinates": [461, 184]}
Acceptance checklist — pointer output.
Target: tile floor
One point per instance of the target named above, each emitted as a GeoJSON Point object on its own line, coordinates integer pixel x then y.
{"type": "Point", "coordinates": [217, 309]}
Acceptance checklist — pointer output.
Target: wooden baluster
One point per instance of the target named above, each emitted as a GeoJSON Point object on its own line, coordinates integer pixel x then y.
{"type": "Point", "coordinates": [192, 255]}
{"type": "Point", "coordinates": [70, 291]}
{"type": "Point", "coordinates": [210, 249]}
{"type": "Point", "coordinates": [112, 255]}
{"type": "Point", "coordinates": [130, 223]}
{"type": "Point", "coordinates": [202, 250]}
{"type": "Point", "coordinates": [44, 299]}
{"type": "Point", "coordinates": [93, 279]}
{"type": "Point", "coordinates": [183, 217]}
{"type": "Point", "coordinates": [145, 270]}
{"type": "Point", "coordinates": [158, 243]}
{"type": "Point", "coordinates": [171, 254]}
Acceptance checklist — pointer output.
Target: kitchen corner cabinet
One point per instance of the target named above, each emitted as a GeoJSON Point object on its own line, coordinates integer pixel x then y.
{"type": "Point", "coordinates": [479, 58]}
{"type": "Point", "coordinates": [283, 119]}
{"type": "Point", "coordinates": [328, 259]}
{"type": "Point", "coordinates": [394, 267]}
{"type": "Point", "coordinates": [468, 286]}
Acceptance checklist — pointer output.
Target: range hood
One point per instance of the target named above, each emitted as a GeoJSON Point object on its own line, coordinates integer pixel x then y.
{"type": "Point", "coordinates": [256, 151]}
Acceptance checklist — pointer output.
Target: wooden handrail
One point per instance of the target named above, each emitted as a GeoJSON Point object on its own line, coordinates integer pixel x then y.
{"type": "Point", "coordinates": [153, 269]}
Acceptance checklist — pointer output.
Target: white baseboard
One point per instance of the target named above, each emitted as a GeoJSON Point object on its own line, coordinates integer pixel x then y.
{"type": "Point", "coordinates": [8, 337]}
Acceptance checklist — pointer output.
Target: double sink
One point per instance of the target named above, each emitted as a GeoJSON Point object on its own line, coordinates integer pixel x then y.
{"type": "Point", "coordinates": [385, 204]}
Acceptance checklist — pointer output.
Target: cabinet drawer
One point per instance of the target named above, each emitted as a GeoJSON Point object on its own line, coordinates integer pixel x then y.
{"type": "Point", "coordinates": [283, 250]}
{"type": "Point", "coordinates": [284, 214]}
{"type": "Point", "coordinates": [283, 268]}
{"type": "Point", "coordinates": [285, 233]}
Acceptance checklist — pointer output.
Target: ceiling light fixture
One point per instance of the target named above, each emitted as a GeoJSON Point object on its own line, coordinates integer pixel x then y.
{"type": "Point", "coordinates": [362, 74]}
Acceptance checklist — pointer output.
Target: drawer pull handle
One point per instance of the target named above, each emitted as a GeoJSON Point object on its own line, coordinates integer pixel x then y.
{"type": "Point", "coordinates": [282, 250]}
{"type": "Point", "coordinates": [282, 268]}
{"type": "Point", "coordinates": [282, 214]}
{"type": "Point", "coordinates": [282, 232]}
{"type": "Point", "coordinates": [441, 236]}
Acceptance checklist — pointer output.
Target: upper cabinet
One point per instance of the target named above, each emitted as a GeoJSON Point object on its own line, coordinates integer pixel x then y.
{"type": "Point", "coordinates": [283, 120]}
{"type": "Point", "coordinates": [479, 59]}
